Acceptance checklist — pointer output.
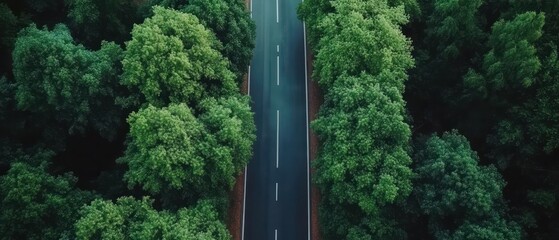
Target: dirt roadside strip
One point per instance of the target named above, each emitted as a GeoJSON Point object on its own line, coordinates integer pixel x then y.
{"type": "Point", "coordinates": [315, 100]}
{"type": "Point", "coordinates": [235, 212]}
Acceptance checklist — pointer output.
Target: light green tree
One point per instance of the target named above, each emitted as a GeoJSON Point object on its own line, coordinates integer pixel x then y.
{"type": "Point", "coordinates": [231, 125]}
{"type": "Point", "coordinates": [164, 149]}
{"type": "Point", "coordinates": [128, 218]}
{"type": "Point", "coordinates": [173, 58]}
{"type": "Point", "coordinates": [363, 165]}
{"type": "Point", "coordinates": [369, 133]}
{"type": "Point", "coordinates": [363, 36]}
{"type": "Point", "coordinates": [169, 149]}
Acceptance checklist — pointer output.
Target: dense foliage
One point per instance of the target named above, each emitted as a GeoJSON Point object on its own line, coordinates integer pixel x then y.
{"type": "Point", "coordinates": [68, 83]}
{"type": "Point", "coordinates": [361, 62]}
{"type": "Point", "coordinates": [96, 96]}
{"type": "Point", "coordinates": [233, 28]}
{"type": "Point", "coordinates": [462, 199]}
{"type": "Point", "coordinates": [485, 68]}
{"type": "Point", "coordinates": [172, 58]}
{"type": "Point", "coordinates": [37, 205]}
{"type": "Point", "coordinates": [440, 118]}
{"type": "Point", "coordinates": [136, 219]}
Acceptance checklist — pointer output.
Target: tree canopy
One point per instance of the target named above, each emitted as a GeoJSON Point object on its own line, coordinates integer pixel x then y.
{"type": "Point", "coordinates": [164, 150]}
{"type": "Point", "coordinates": [171, 149]}
{"type": "Point", "coordinates": [173, 58]}
{"type": "Point", "coordinates": [37, 205]}
{"type": "Point", "coordinates": [363, 36]}
{"type": "Point", "coordinates": [68, 81]}
{"type": "Point", "coordinates": [232, 25]}
{"type": "Point", "coordinates": [462, 199]}
{"type": "Point", "coordinates": [128, 218]}
{"type": "Point", "coordinates": [108, 20]}
{"type": "Point", "coordinates": [363, 166]}
{"type": "Point", "coordinates": [73, 71]}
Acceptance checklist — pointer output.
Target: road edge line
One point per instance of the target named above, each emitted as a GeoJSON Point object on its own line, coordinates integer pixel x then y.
{"type": "Point", "coordinates": [246, 170]}
{"type": "Point", "coordinates": [307, 123]}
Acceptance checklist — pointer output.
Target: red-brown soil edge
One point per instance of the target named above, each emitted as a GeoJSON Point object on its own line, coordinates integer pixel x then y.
{"type": "Point", "coordinates": [235, 212]}
{"type": "Point", "coordinates": [315, 99]}
{"type": "Point", "coordinates": [236, 196]}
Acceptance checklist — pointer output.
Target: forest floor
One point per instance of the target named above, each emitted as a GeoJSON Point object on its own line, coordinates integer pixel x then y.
{"type": "Point", "coordinates": [235, 213]}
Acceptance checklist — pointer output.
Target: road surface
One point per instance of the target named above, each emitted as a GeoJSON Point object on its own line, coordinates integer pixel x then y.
{"type": "Point", "coordinates": [276, 202]}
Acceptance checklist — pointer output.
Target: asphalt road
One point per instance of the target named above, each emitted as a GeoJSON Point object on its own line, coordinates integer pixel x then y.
{"type": "Point", "coordinates": [276, 184]}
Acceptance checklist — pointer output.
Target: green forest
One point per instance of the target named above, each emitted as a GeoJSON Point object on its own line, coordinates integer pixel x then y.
{"type": "Point", "coordinates": [122, 119]}
{"type": "Point", "coordinates": [440, 118]}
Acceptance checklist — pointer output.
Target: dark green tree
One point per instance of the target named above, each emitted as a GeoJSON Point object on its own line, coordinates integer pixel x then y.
{"type": "Point", "coordinates": [8, 27]}
{"type": "Point", "coordinates": [453, 27]}
{"type": "Point", "coordinates": [37, 205]}
{"type": "Point", "coordinates": [494, 228]}
{"type": "Point", "coordinates": [110, 20]}
{"type": "Point", "coordinates": [531, 128]}
{"type": "Point", "coordinates": [57, 79]}
{"type": "Point", "coordinates": [450, 180]}
{"type": "Point", "coordinates": [512, 64]}
{"type": "Point", "coordinates": [172, 58]}
{"type": "Point", "coordinates": [10, 24]}
{"type": "Point", "coordinates": [232, 25]}
{"type": "Point", "coordinates": [462, 199]}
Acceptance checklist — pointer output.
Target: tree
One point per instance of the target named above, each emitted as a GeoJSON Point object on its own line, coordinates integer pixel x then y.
{"type": "Point", "coordinates": [511, 64]}
{"type": "Point", "coordinates": [493, 228]}
{"type": "Point", "coordinates": [453, 27]}
{"type": "Point", "coordinates": [363, 36]}
{"type": "Point", "coordinates": [170, 149]}
{"type": "Point", "coordinates": [94, 21]}
{"type": "Point", "coordinates": [232, 25]}
{"type": "Point", "coordinates": [362, 123]}
{"type": "Point", "coordinates": [10, 24]}
{"type": "Point", "coordinates": [549, 8]}
{"type": "Point", "coordinates": [411, 6]}
{"type": "Point", "coordinates": [73, 85]}
{"type": "Point", "coordinates": [460, 197]}
{"type": "Point", "coordinates": [36, 205]}
{"type": "Point", "coordinates": [362, 168]}
{"type": "Point", "coordinates": [6, 98]}
{"type": "Point", "coordinates": [312, 12]}
{"type": "Point", "coordinates": [450, 181]}
{"type": "Point", "coordinates": [530, 128]}
{"type": "Point", "coordinates": [172, 58]}
{"type": "Point", "coordinates": [370, 134]}
{"type": "Point", "coordinates": [8, 27]}
{"type": "Point", "coordinates": [136, 219]}
{"type": "Point", "coordinates": [164, 149]}
{"type": "Point", "coordinates": [230, 122]}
